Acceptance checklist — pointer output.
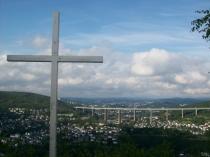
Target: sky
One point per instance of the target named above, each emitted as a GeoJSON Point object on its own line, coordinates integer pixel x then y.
{"type": "Point", "coordinates": [147, 47]}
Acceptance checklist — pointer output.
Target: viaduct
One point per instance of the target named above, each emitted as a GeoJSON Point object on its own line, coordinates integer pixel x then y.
{"type": "Point", "coordinates": [139, 109]}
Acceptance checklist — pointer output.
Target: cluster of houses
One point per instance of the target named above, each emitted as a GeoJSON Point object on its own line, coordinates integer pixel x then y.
{"type": "Point", "coordinates": [76, 133]}
{"type": "Point", "coordinates": [36, 127]}
{"type": "Point", "coordinates": [29, 128]}
{"type": "Point", "coordinates": [156, 123]}
{"type": "Point", "coordinates": [23, 110]}
{"type": "Point", "coordinates": [193, 128]}
{"type": "Point", "coordinates": [34, 137]}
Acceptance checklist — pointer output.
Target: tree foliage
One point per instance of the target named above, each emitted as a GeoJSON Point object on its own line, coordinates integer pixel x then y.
{"type": "Point", "coordinates": [145, 142]}
{"type": "Point", "coordinates": [202, 25]}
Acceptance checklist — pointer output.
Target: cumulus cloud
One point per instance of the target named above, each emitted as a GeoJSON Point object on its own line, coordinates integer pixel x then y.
{"type": "Point", "coordinates": [156, 62]}
{"type": "Point", "coordinates": [156, 73]}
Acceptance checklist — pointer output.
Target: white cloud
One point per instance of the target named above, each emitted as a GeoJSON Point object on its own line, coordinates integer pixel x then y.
{"type": "Point", "coordinates": [156, 62]}
{"type": "Point", "coordinates": [166, 85]}
{"type": "Point", "coordinates": [109, 81]}
{"type": "Point", "coordinates": [130, 80]}
{"type": "Point", "coordinates": [181, 79]}
{"type": "Point", "coordinates": [69, 81]}
{"type": "Point", "coordinates": [190, 77]}
{"type": "Point", "coordinates": [40, 43]}
{"type": "Point", "coordinates": [197, 91]}
{"type": "Point", "coordinates": [156, 73]}
{"type": "Point", "coordinates": [28, 77]}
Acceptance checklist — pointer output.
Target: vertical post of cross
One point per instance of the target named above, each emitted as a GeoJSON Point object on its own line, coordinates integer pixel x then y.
{"type": "Point", "coordinates": [119, 116]}
{"type": "Point", "coordinates": [105, 114]}
{"type": "Point", "coordinates": [166, 115]}
{"type": "Point", "coordinates": [182, 113]}
{"type": "Point", "coordinates": [134, 115]}
{"type": "Point", "coordinates": [150, 116]}
{"type": "Point", "coordinates": [196, 111]}
{"type": "Point", "coordinates": [93, 112]}
{"type": "Point", "coordinates": [54, 84]}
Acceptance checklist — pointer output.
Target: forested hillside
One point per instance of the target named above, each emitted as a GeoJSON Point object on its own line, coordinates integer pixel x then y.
{"type": "Point", "coordinates": [200, 104]}
{"type": "Point", "coordinates": [25, 100]}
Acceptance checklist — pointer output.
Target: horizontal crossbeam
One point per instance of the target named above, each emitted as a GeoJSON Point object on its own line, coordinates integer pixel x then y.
{"type": "Point", "coordinates": [43, 58]}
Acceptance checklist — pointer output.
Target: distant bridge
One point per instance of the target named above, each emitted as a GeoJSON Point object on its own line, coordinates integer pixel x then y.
{"type": "Point", "coordinates": [140, 109]}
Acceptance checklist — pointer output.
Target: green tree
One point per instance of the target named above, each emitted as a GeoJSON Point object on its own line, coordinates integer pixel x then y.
{"type": "Point", "coordinates": [19, 151]}
{"type": "Point", "coordinates": [202, 25]}
{"type": "Point", "coordinates": [208, 141]}
{"type": "Point", "coordinates": [163, 150]}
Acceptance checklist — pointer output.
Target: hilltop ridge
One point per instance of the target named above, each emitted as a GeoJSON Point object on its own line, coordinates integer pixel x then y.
{"type": "Point", "coordinates": [25, 99]}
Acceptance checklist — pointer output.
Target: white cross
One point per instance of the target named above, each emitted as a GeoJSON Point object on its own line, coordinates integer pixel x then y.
{"type": "Point", "coordinates": [54, 59]}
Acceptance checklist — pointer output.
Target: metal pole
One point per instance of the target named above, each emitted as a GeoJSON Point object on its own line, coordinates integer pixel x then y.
{"type": "Point", "coordinates": [119, 116]}
{"type": "Point", "coordinates": [105, 114]}
{"type": "Point", "coordinates": [134, 114]}
{"type": "Point", "coordinates": [54, 84]}
{"type": "Point", "coordinates": [166, 115]}
{"type": "Point", "coordinates": [182, 113]}
{"type": "Point", "coordinates": [150, 116]}
{"type": "Point", "coordinates": [93, 112]}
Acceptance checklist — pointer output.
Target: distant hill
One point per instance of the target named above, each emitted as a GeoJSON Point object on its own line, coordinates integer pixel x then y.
{"type": "Point", "coordinates": [32, 100]}
{"type": "Point", "coordinates": [199, 104]}
{"type": "Point", "coordinates": [25, 100]}
{"type": "Point", "coordinates": [182, 100]}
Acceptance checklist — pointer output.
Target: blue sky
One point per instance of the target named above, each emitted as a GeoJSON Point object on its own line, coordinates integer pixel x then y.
{"type": "Point", "coordinates": [147, 47]}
